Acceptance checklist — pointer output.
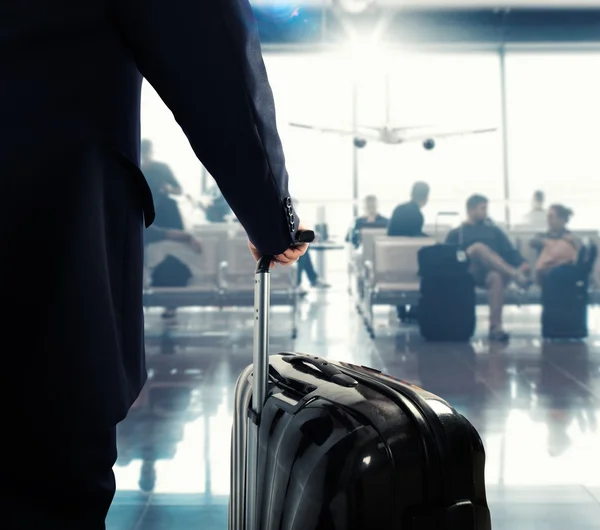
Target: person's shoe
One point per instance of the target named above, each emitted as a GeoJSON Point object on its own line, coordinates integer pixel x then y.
{"type": "Point", "coordinates": [321, 285]}
{"type": "Point", "coordinates": [169, 314]}
{"type": "Point", "coordinates": [499, 335]}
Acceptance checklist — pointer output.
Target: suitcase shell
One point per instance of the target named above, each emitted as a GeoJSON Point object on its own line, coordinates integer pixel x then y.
{"type": "Point", "coordinates": [447, 304]}
{"type": "Point", "coordinates": [381, 455]}
{"type": "Point", "coordinates": [565, 304]}
{"type": "Point", "coordinates": [333, 446]}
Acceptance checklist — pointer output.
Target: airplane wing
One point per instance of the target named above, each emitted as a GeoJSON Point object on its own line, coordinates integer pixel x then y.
{"type": "Point", "coordinates": [407, 128]}
{"type": "Point", "coordinates": [341, 132]}
{"type": "Point", "coordinates": [447, 134]}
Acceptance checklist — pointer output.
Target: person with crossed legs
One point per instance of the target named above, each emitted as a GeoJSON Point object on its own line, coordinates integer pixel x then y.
{"type": "Point", "coordinates": [494, 261]}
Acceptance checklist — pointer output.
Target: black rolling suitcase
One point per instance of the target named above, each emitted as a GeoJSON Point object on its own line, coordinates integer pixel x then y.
{"type": "Point", "coordinates": [321, 445]}
{"type": "Point", "coordinates": [565, 303]}
{"type": "Point", "coordinates": [447, 304]}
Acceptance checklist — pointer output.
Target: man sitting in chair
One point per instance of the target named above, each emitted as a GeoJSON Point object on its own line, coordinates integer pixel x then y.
{"type": "Point", "coordinates": [494, 261]}
{"type": "Point", "coordinates": [371, 219]}
{"type": "Point", "coordinates": [407, 219]}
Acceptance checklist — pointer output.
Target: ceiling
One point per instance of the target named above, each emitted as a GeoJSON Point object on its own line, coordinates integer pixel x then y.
{"type": "Point", "coordinates": [317, 25]}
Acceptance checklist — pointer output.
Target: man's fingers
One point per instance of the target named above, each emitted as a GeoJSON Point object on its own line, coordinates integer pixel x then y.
{"type": "Point", "coordinates": [283, 259]}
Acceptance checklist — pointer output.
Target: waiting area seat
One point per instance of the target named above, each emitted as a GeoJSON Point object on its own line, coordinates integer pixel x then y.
{"type": "Point", "coordinates": [359, 258]}
{"type": "Point", "coordinates": [384, 271]}
{"type": "Point", "coordinates": [392, 277]}
{"type": "Point", "coordinates": [222, 274]}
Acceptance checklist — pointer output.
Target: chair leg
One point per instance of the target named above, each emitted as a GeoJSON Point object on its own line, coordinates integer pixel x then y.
{"type": "Point", "coordinates": [369, 315]}
{"type": "Point", "coordinates": [295, 315]}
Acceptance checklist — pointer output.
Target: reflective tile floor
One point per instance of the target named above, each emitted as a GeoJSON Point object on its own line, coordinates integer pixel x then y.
{"type": "Point", "coordinates": [534, 403]}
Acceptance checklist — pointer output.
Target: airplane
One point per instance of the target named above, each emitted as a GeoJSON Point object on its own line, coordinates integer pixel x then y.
{"type": "Point", "coordinates": [393, 135]}
{"type": "Point", "coordinates": [388, 134]}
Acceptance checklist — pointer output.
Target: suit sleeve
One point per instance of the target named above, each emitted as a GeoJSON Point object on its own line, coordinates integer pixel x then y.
{"type": "Point", "coordinates": [204, 60]}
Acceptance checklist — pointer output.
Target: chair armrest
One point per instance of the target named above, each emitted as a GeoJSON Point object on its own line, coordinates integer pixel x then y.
{"type": "Point", "coordinates": [222, 275]}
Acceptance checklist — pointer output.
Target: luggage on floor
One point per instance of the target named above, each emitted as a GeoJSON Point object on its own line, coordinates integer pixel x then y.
{"type": "Point", "coordinates": [447, 304]}
{"type": "Point", "coordinates": [322, 445]}
{"type": "Point", "coordinates": [171, 272]}
{"type": "Point", "coordinates": [564, 303]}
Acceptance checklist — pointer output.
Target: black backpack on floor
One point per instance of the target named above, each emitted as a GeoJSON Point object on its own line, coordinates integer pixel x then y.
{"type": "Point", "coordinates": [171, 272]}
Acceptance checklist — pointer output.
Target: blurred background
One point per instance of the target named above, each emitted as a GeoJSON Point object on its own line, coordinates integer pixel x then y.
{"type": "Point", "coordinates": [481, 97]}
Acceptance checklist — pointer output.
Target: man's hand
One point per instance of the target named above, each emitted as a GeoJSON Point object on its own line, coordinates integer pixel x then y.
{"type": "Point", "coordinates": [525, 267]}
{"type": "Point", "coordinates": [289, 257]}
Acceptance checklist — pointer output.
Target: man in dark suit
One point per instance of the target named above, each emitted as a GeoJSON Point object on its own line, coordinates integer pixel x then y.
{"type": "Point", "coordinates": [407, 219]}
{"type": "Point", "coordinates": [71, 239]}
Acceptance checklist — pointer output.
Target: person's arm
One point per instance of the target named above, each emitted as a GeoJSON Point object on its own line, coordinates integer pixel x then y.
{"type": "Point", "coordinates": [420, 224]}
{"type": "Point", "coordinates": [395, 224]}
{"type": "Point", "coordinates": [507, 251]}
{"type": "Point", "coordinates": [204, 60]}
{"type": "Point", "coordinates": [537, 243]}
{"type": "Point", "coordinates": [172, 184]}
{"type": "Point", "coordinates": [154, 234]}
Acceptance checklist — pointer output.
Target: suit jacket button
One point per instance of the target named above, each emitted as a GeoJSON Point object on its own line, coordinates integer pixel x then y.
{"type": "Point", "coordinates": [288, 202]}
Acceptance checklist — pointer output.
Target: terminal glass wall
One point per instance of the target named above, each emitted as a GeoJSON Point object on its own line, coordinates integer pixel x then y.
{"type": "Point", "coordinates": [554, 131]}
{"type": "Point", "coordinates": [446, 92]}
{"type": "Point", "coordinates": [553, 113]}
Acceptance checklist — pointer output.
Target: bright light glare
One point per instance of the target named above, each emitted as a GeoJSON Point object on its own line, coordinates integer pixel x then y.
{"type": "Point", "coordinates": [364, 56]}
{"type": "Point", "coordinates": [363, 49]}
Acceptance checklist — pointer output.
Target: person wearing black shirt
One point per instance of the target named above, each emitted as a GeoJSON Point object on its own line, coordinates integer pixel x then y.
{"type": "Point", "coordinates": [494, 260]}
{"type": "Point", "coordinates": [371, 219]}
{"type": "Point", "coordinates": [407, 219]}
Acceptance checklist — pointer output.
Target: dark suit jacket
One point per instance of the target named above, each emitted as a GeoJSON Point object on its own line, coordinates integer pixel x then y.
{"type": "Point", "coordinates": [407, 220]}
{"type": "Point", "coordinates": [71, 234]}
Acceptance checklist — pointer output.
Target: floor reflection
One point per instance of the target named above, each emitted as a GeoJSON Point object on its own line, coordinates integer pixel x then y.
{"type": "Point", "coordinates": [535, 403]}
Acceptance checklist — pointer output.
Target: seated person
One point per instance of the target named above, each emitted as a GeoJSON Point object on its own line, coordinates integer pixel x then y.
{"type": "Point", "coordinates": [371, 219]}
{"type": "Point", "coordinates": [170, 259]}
{"type": "Point", "coordinates": [407, 219]}
{"type": "Point", "coordinates": [536, 218]}
{"type": "Point", "coordinates": [494, 261]}
{"type": "Point", "coordinates": [217, 211]}
{"type": "Point", "coordinates": [557, 246]}
{"type": "Point", "coordinates": [162, 184]}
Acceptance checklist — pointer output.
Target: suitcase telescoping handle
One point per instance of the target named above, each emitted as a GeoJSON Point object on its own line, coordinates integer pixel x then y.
{"type": "Point", "coordinates": [260, 358]}
{"type": "Point", "coordinates": [260, 380]}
